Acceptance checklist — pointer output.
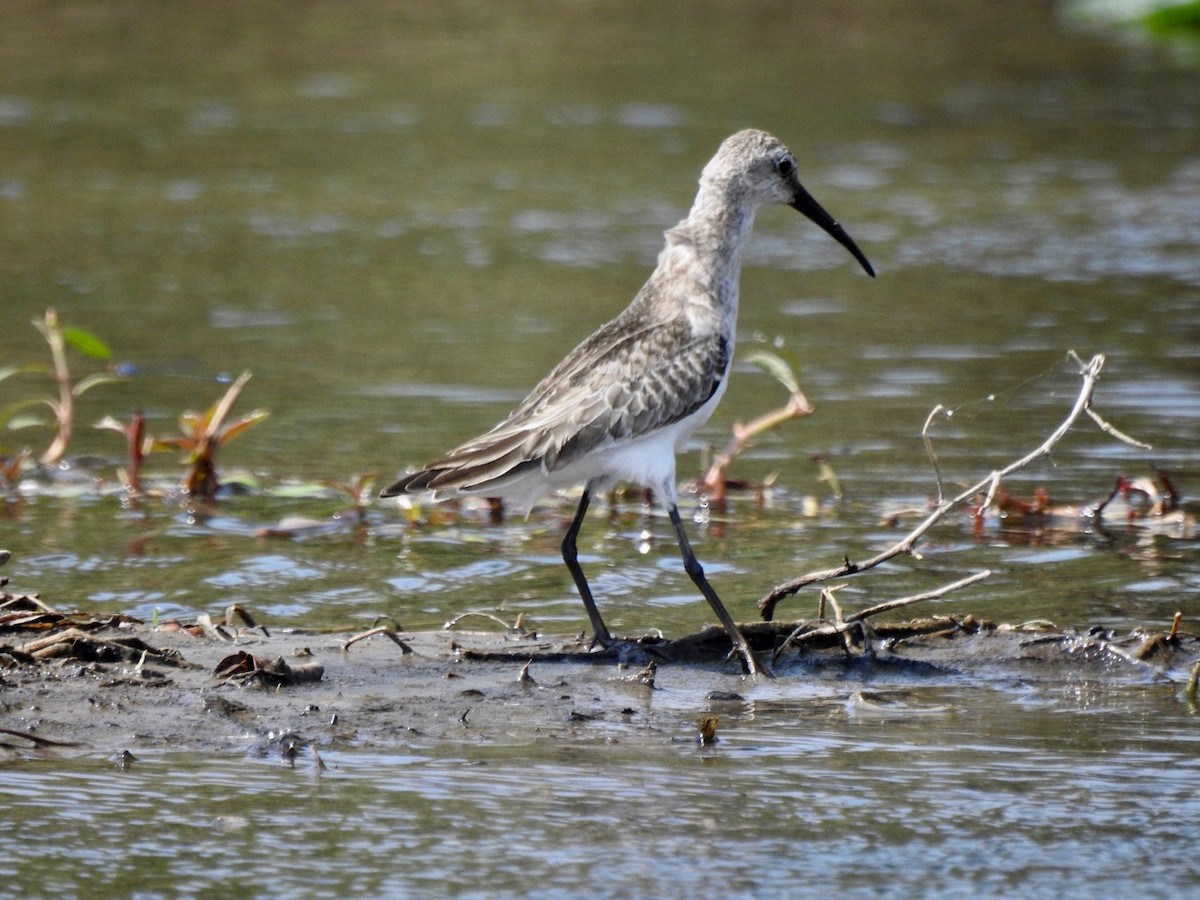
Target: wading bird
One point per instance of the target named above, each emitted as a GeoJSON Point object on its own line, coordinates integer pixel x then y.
{"type": "Point", "coordinates": [622, 403]}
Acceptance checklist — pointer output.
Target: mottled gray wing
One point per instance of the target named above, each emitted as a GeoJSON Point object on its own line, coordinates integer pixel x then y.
{"type": "Point", "coordinates": [630, 378]}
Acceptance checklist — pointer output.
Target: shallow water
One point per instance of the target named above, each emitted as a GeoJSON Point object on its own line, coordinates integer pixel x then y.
{"type": "Point", "coordinates": [400, 219]}
{"type": "Point", "coordinates": [931, 790]}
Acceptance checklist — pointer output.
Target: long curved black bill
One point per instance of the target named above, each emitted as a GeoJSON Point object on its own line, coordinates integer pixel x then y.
{"type": "Point", "coordinates": [805, 203]}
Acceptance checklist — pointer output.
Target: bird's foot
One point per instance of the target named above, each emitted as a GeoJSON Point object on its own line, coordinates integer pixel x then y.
{"type": "Point", "coordinates": [751, 664]}
{"type": "Point", "coordinates": [602, 640]}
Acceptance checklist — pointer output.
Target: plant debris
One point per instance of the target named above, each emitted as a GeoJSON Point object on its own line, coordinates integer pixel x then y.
{"type": "Point", "coordinates": [246, 668]}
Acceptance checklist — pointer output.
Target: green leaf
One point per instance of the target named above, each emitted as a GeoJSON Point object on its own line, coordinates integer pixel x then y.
{"type": "Point", "coordinates": [86, 342]}
{"type": "Point", "coordinates": [91, 381]}
{"type": "Point", "coordinates": [9, 371]}
{"type": "Point", "coordinates": [13, 412]}
{"type": "Point", "coordinates": [1181, 18]}
{"type": "Point", "coordinates": [27, 420]}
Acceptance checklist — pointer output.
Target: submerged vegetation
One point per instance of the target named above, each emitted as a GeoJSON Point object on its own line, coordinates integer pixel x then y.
{"type": "Point", "coordinates": [1152, 502]}
{"type": "Point", "coordinates": [204, 434]}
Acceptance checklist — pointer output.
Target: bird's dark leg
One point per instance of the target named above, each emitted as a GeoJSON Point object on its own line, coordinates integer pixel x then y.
{"type": "Point", "coordinates": [696, 572]}
{"type": "Point", "coordinates": [600, 633]}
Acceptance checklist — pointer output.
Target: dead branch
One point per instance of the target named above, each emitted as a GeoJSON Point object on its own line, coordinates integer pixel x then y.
{"type": "Point", "coordinates": [74, 643]}
{"type": "Point", "coordinates": [842, 625]}
{"type": "Point", "coordinates": [1089, 372]}
{"type": "Point", "coordinates": [930, 452]}
{"type": "Point", "coordinates": [713, 485]}
{"type": "Point", "coordinates": [918, 598]}
{"type": "Point", "coordinates": [384, 630]}
{"type": "Point", "coordinates": [40, 742]}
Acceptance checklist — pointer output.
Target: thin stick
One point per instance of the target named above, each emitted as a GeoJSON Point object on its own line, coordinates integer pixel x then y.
{"type": "Point", "coordinates": [516, 627]}
{"type": "Point", "coordinates": [1089, 372]}
{"type": "Point", "coordinates": [797, 407]}
{"type": "Point", "coordinates": [930, 452]}
{"type": "Point", "coordinates": [1119, 435]}
{"type": "Point", "coordinates": [991, 494]}
{"type": "Point", "coordinates": [380, 629]}
{"type": "Point", "coordinates": [917, 598]}
{"type": "Point", "coordinates": [842, 625]}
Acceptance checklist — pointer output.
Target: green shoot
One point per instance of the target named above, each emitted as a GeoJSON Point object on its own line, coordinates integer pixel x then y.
{"type": "Point", "coordinates": [62, 406]}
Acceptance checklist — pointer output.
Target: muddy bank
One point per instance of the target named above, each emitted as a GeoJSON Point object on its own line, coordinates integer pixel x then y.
{"type": "Point", "coordinates": [70, 684]}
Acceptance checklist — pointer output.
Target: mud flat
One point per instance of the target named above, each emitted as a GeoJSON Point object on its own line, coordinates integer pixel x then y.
{"type": "Point", "coordinates": [70, 684]}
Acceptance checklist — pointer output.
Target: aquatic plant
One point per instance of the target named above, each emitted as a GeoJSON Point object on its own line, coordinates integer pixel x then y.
{"type": "Point", "coordinates": [134, 431]}
{"type": "Point", "coordinates": [59, 338]}
{"type": "Point", "coordinates": [715, 483]}
{"type": "Point", "coordinates": [358, 489]}
{"type": "Point", "coordinates": [204, 434]}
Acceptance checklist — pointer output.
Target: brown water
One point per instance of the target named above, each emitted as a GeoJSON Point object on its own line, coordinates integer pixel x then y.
{"type": "Point", "coordinates": [400, 216]}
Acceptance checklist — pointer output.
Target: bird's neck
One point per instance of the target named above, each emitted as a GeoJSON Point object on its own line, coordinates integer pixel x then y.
{"type": "Point", "coordinates": [710, 240]}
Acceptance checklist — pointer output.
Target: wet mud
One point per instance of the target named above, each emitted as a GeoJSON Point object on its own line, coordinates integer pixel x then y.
{"type": "Point", "coordinates": [76, 684]}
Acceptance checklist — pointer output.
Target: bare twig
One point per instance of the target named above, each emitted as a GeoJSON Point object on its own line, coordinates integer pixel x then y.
{"type": "Point", "coordinates": [517, 627]}
{"type": "Point", "coordinates": [387, 632]}
{"type": "Point", "coordinates": [797, 407]}
{"type": "Point", "coordinates": [842, 625]}
{"type": "Point", "coordinates": [1119, 435]}
{"type": "Point", "coordinates": [1089, 372]}
{"type": "Point", "coordinates": [991, 493]}
{"type": "Point", "coordinates": [38, 741]}
{"type": "Point", "coordinates": [930, 452]}
{"type": "Point", "coordinates": [918, 598]}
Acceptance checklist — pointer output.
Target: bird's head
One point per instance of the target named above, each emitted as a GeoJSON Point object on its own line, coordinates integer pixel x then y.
{"type": "Point", "coordinates": [760, 170]}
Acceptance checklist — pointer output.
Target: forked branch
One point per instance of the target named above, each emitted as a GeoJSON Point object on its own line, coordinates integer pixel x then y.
{"type": "Point", "coordinates": [1089, 373]}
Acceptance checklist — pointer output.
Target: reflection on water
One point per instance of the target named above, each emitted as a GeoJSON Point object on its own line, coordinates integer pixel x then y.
{"type": "Point", "coordinates": [926, 789]}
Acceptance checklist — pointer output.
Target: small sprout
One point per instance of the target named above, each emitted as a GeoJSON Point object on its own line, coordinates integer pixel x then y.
{"type": "Point", "coordinates": [828, 474]}
{"type": "Point", "coordinates": [203, 435]}
{"type": "Point", "coordinates": [10, 471]}
{"type": "Point", "coordinates": [1189, 692]}
{"type": "Point", "coordinates": [358, 489]}
{"type": "Point", "coordinates": [318, 763]}
{"type": "Point", "coordinates": [236, 611]}
{"type": "Point", "coordinates": [523, 677]}
{"type": "Point", "coordinates": [59, 338]}
{"type": "Point", "coordinates": [134, 432]}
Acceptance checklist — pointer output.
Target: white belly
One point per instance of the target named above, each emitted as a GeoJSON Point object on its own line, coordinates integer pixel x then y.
{"type": "Point", "coordinates": [648, 461]}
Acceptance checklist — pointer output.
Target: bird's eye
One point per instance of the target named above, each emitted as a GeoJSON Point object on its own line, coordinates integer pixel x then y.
{"type": "Point", "coordinates": [786, 166]}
